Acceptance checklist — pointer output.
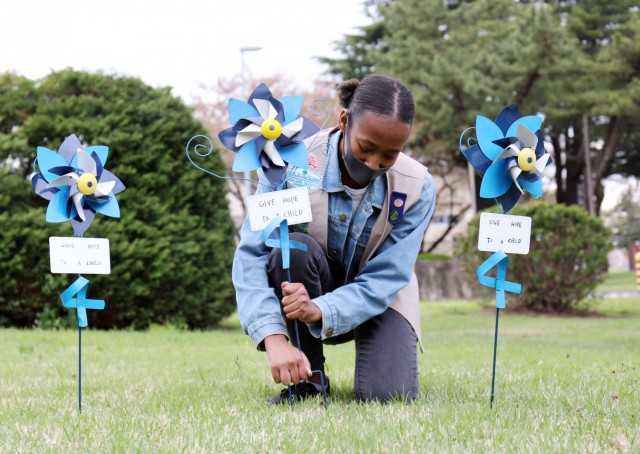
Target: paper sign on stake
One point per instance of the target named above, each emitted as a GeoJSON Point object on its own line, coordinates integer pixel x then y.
{"type": "Point", "coordinates": [75, 255]}
{"type": "Point", "coordinates": [504, 232]}
{"type": "Point", "coordinates": [290, 204]}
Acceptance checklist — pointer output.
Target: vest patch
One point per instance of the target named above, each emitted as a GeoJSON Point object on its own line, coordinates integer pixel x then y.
{"type": "Point", "coordinates": [396, 207]}
{"type": "Point", "coordinates": [304, 178]}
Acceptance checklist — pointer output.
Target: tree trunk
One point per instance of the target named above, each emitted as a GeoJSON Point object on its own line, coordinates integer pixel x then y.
{"type": "Point", "coordinates": [568, 173]}
{"type": "Point", "coordinates": [604, 159]}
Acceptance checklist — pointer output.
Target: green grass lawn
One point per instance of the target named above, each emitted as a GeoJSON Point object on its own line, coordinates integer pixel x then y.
{"type": "Point", "coordinates": [619, 281]}
{"type": "Point", "coordinates": [563, 384]}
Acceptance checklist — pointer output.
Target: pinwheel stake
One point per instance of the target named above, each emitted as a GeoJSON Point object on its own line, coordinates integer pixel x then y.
{"type": "Point", "coordinates": [78, 186]}
{"type": "Point", "coordinates": [285, 245]}
{"type": "Point", "coordinates": [500, 261]}
{"type": "Point", "coordinates": [510, 157]}
{"type": "Point", "coordinates": [268, 135]}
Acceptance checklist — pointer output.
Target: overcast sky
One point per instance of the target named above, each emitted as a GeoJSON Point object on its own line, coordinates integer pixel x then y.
{"type": "Point", "coordinates": [180, 43]}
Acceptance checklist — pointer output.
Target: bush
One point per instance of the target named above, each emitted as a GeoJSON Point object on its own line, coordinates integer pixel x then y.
{"type": "Point", "coordinates": [566, 261]}
{"type": "Point", "coordinates": [172, 249]}
{"type": "Point", "coordinates": [433, 256]}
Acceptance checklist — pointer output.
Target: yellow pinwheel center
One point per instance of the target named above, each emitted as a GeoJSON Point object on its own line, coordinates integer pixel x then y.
{"type": "Point", "coordinates": [87, 184]}
{"type": "Point", "coordinates": [526, 159]}
{"type": "Point", "coordinates": [271, 129]}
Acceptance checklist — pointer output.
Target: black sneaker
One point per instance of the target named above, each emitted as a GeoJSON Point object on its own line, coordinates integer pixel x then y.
{"type": "Point", "coordinates": [301, 391]}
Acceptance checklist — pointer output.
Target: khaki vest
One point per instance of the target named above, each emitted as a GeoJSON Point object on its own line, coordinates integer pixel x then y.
{"type": "Point", "coordinates": [406, 176]}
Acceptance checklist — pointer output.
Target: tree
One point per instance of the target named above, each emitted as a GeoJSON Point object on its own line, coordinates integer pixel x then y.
{"type": "Point", "coordinates": [600, 79]}
{"type": "Point", "coordinates": [560, 59]}
{"type": "Point", "coordinates": [171, 251]}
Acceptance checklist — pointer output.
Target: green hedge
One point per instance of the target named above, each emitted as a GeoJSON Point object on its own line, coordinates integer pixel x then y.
{"type": "Point", "coordinates": [172, 249]}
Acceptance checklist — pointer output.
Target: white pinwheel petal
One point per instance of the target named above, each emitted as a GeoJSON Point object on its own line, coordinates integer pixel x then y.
{"type": "Point", "coordinates": [65, 180]}
{"type": "Point", "coordinates": [249, 133]}
{"type": "Point", "coordinates": [86, 163]}
{"type": "Point", "coordinates": [511, 150]}
{"type": "Point", "coordinates": [292, 128]}
{"type": "Point", "coordinates": [541, 163]}
{"type": "Point", "coordinates": [266, 109]}
{"type": "Point", "coordinates": [77, 201]}
{"type": "Point", "coordinates": [272, 152]}
{"type": "Point", "coordinates": [529, 139]}
{"type": "Point", "coordinates": [515, 172]}
{"type": "Point", "coordinates": [104, 188]}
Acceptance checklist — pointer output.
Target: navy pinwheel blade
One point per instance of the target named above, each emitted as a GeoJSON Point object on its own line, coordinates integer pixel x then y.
{"type": "Point", "coordinates": [108, 176]}
{"type": "Point", "coordinates": [477, 159]}
{"type": "Point", "coordinates": [260, 92]}
{"type": "Point", "coordinates": [540, 150]}
{"type": "Point", "coordinates": [309, 128]}
{"type": "Point", "coordinates": [279, 109]}
{"type": "Point", "coordinates": [228, 139]}
{"type": "Point", "coordinates": [80, 226]}
{"type": "Point", "coordinates": [275, 174]}
{"type": "Point", "coordinates": [40, 187]}
{"type": "Point", "coordinates": [507, 117]}
{"type": "Point", "coordinates": [69, 147]}
{"type": "Point", "coordinates": [509, 199]}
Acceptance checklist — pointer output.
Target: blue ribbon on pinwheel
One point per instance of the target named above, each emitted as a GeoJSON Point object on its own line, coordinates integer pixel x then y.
{"type": "Point", "coordinates": [268, 133]}
{"type": "Point", "coordinates": [500, 260]}
{"type": "Point", "coordinates": [76, 183]}
{"type": "Point", "coordinates": [81, 303]}
{"type": "Point", "coordinates": [283, 242]}
{"type": "Point", "coordinates": [509, 155]}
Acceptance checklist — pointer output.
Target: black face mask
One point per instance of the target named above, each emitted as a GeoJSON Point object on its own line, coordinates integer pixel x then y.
{"type": "Point", "coordinates": [358, 170]}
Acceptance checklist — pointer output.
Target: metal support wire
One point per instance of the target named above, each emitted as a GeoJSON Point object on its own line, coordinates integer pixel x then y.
{"type": "Point", "coordinates": [80, 369]}
{"type": "Point", "coordinates": [495, 350]}
{"type": "Point", "coordinates": [322, 382]}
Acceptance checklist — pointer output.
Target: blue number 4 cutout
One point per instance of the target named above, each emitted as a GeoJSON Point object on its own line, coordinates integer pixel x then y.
{"type": "Point", "coordinates": [81, 303]}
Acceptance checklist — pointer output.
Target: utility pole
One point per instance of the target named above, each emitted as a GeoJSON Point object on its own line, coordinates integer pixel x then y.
{"type": "Point", "coordinates": [247, 175]}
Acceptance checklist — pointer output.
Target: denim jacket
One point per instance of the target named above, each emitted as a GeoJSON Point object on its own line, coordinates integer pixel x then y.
{"type": "Point", "coordinates": [365, 292]}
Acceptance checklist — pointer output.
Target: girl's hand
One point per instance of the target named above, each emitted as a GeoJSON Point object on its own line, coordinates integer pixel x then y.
{"type": "Point", "coordinates": [288, 364]}
{"type": "Point", "coordinates": [297, 304]}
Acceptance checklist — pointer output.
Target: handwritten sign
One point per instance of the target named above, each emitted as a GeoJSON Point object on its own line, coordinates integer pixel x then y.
{"type": "Point", "coordinates": [291, 204]}
{"type": "Point", "coordinates": [504, 232]}
{"type": "Point", "coordinates": [79, 255]}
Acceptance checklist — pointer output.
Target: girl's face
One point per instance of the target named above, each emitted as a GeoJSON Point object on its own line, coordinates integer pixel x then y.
{"type": "Point", "coordinates": [375, 139]}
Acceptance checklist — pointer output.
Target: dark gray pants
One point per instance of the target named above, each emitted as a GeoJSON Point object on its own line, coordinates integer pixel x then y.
{"type": "Point", "coordinates": [386, 356]}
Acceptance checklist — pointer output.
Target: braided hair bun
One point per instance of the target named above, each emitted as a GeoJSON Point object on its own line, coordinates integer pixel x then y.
{"type": "Point", "coordinates": [346, 91]}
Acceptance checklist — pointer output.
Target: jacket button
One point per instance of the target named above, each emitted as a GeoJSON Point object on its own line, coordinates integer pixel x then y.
{"type": "Point", "coordinates": [329, 332]}
{"type": "Point", "coordinates": [334, 252]}
{"type": "Point", "coordinates": [343, 217]}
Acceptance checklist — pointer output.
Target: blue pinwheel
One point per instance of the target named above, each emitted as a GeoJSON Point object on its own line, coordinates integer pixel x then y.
{"type": "Point", "coordinates": [267, 133]}
{"type": "Point", "coordinates": [76, 183]}
{"type": "Point", "coordinates": [509, 155]}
